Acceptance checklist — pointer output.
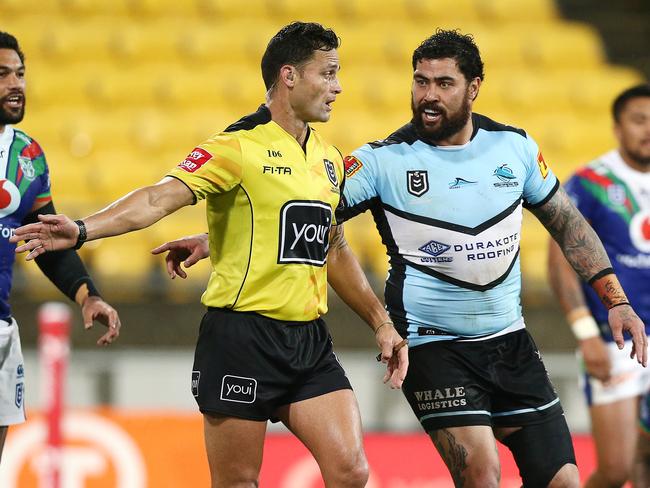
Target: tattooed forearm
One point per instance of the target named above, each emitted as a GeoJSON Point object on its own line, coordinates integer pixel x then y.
{"type": "Point", "coordinates": [337, 239]}
{"type": "Point", "coordinates": [453, 453]}
{"type": "Point", "coordinates": [576, 238]}
{"type": "Point", "coordinates": [564, 281]}
{"type": "Point", "coordinates": [609, 290]}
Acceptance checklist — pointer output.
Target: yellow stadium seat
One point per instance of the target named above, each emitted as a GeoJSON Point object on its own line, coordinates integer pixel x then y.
{"type": "Point", "coordinates": [85, 9]}
{"type": "Point", "coordinates": [504, 11]}
{"type": "Point", "coordinates": [500, 48]}
{"type": "Point", "coordinates": [595, 90]}
{"type": "Point", "coordinates": [13, 8]}
{"type": "Point", "coordinates": [126, 260]}
{"type": "Point", "coordinates": [563, 45]}
{"type": "Point", "coordinates": [356, 13]}
{"type": "Point", "coordinates": [173, 9]}
{"type": "Point", "coordinates": [155, 42]}
{"type": "Point", "coordinates": [442, 11]}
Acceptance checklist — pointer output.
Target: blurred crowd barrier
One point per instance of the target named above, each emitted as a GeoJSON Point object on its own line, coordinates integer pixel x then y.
{"type": "Point", "coordinates": [137, 379]}
{"type": "Point", "coordinates": [119, 92]}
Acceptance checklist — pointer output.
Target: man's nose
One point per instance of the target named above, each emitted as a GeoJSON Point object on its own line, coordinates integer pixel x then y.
{"type": "Point", "coordinates": [431, 94]}
{"type": "Point", "coordinates": [15, 81]}
{"type": "Point", "coordinates": [336, 86]}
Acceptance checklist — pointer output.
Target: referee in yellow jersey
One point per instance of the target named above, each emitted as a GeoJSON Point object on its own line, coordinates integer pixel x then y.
{"type": "Point", "coordinates": [271, 184]}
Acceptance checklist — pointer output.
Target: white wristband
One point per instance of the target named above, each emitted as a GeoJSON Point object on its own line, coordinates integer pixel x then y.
{"type": "Point", "coordinates": [585, 328]}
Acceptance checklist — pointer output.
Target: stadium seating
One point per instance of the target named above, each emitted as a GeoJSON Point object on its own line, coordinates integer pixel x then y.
{"type": "Point", "coordinates": [120, 91]}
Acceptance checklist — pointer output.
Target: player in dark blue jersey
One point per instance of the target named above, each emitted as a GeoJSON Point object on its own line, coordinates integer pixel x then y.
{"type": "Point", "coordinates": [613, 193]}
{"type": "Point", "coordinates": [25, 193]}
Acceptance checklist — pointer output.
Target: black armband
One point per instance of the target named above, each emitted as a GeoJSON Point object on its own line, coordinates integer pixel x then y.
{"type": "Point", "coordinates": [600, 274]}
{"type": "Point", "coordinates": [63, 268]}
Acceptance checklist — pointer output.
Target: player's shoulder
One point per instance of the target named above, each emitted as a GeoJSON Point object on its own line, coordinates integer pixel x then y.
{"type": "Point", "coordinates": [404, 135]}
{"type": "Point", "coordinates": [249, 122]}
{"type": "Point", "coordinates": [598, 166]}
{"type": "Point", "coordinates": [482, 122]}
{"type": "Point", "coordinates": [31, 148]}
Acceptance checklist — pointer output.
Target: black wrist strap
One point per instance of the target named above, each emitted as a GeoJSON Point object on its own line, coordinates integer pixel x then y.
{"type": "Point", "coordinates": [81, 238]}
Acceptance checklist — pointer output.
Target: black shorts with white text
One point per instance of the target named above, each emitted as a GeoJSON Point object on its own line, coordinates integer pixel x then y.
{"type": "Point", "coordinates": [247, 365]}
{"type": "Point", "coordinates": [501, 382]}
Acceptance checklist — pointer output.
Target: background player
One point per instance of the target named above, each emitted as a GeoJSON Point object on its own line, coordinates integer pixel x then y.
{"type": "Point", "coordinates": [271, 183]}
{"type": "Point", "coordinates": [613, 193]}
{"type": "Point", "coordinates": [24, 193]}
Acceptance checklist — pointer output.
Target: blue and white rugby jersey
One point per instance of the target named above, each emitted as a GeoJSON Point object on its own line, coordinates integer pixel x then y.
{"type": "Point", "coordinates": [450, 218]}
{"type": "Point", "coordinates": [615, 199]}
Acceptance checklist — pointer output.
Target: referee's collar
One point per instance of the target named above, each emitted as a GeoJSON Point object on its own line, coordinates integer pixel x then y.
{"type": "Point", "coordinates": [263, 114]}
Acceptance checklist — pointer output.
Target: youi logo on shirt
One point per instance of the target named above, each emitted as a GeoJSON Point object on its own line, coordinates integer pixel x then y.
{"type": "Point", "coordinates": [304, 232]}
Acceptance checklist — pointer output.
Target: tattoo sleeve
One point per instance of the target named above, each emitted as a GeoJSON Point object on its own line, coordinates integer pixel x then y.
{"type": "Point", "coordinates": [581, 246]}
{"type": "Point", "coordinates": [453, 453]}
{"type": "Point", "coordinates": [337, 238]}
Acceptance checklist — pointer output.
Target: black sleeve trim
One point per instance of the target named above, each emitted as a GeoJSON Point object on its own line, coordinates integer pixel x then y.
{"type": "Point", "coordinates": [600, 274]}
{"type": "Point", "coordinates": [63, 268]}
{"type": "Point", "coordinates": [556, 187]}
{"type": "Point", "coordinates": [194, 202]}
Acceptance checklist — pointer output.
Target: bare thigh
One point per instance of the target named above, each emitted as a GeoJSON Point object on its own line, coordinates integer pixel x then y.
{"type": "Point", "coordinates": [470, 454]}
{"type": "Point", "coordinates": [330, 426]}
{"type": "Point", "coordinates": [615, 432]}
{"type": "Point", "coordinates": [234, 447]}
{"type": "Point", "coordinates": [3, 435]}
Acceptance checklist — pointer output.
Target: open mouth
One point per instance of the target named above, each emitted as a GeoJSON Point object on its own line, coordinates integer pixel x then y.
{"type": "Point", "coordinates": [431, 115]}
{"type": "Point", "coordinates": [14, 101]}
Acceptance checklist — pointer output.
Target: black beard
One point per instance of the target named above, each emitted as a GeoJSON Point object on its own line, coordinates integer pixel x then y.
{"type": "Point", "coordinates": [638, 159]}
{"type": "Point", "coordinates": [449, 125]}
{"type": "Point", "coordinates": [7, 117]}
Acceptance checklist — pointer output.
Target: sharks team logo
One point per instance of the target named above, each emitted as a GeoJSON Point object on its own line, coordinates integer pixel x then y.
{"type": "Point", "coordinates": [417, 182]}
{"type": "Point", "coordinates": [9, 198]}
{"type": "Point", "coordinates": [506, 176]}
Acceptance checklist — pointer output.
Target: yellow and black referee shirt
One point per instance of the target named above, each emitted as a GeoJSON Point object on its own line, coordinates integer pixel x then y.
{"type": "Point", "coordinates": [270, 207]}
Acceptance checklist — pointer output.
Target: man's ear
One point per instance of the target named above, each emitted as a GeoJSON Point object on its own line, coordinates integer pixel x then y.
{"type": "Point", "coordinates": [288, 75]}
{"type": "Point", "coordinates": [474, 86]}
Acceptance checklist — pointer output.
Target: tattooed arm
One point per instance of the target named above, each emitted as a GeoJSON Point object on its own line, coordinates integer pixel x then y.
{"type": "Point", "coordinates": [349, 282]}
{"type": "Point", "coordinates": [584, 251]}
{"type": "Point", "coordinates": [566, 286]}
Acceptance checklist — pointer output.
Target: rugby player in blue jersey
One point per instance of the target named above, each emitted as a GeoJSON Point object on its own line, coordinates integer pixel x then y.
{"type": "Point", "coordinates": [447, 191]}
{"type": "Point", "coordinates": [25, 193]}
{"type": "Point", "coordinates": [613, 193]}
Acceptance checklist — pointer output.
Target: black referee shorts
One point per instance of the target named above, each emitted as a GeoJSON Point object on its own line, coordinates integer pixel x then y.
{"type": "Point", "coordinates": [501, 382]}
{"type": "Point", "coordinates": [247, 365]}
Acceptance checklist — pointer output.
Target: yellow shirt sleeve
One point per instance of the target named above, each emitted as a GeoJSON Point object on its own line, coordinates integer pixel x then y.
{"type": "Point", "coordinates": [214, 166]}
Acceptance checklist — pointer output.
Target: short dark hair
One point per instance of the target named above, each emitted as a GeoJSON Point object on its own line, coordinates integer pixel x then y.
{"type": "Point", "coordinates": [638, 91]}
{"type": "Point", "coordinates": [295, 44]}
{"type": "Point", "coordinates": [7, 41]}
{"type": "Point", "coordinates": [452, 44]}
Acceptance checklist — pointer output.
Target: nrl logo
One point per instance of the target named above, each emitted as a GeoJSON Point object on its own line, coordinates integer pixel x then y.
{"type": "Point", "coordinates": [417, 182]}
{"type": "Point", "coordinates": [28, 167]}
{"type": "Point", "coordinates": [331, 171]}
